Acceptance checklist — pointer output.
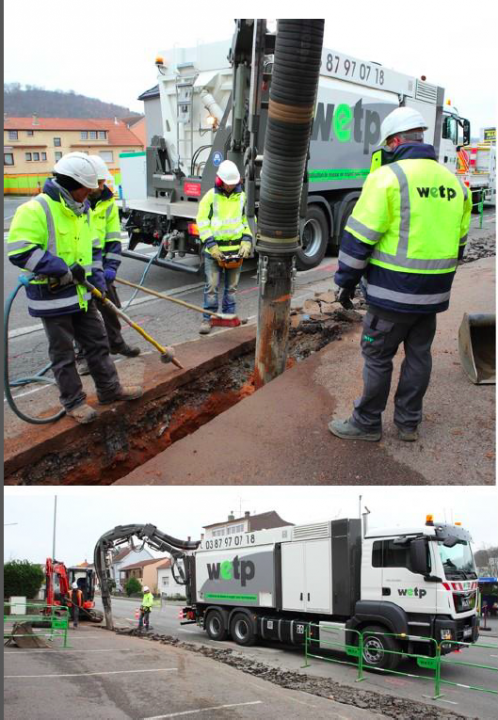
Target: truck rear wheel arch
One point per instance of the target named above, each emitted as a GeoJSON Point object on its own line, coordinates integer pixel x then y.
{"type": "Point", "coordinates": [342, 211]}
{"type": "Point", "coordinates": [243, 627]}
{"type": "Point", "coordinates": [316, 237]}
{"type": "Point", "coordinates": [216, 623]}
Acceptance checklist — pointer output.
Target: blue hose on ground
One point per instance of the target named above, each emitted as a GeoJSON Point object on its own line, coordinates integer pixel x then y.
{"type": "Point", "coordinates": [23, 280]}
{"type": "Point", "coordinates": [142, 279]}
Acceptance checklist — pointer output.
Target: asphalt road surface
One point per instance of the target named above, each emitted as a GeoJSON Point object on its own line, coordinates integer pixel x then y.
{"type": "Point", "coordinates": [462, 700]}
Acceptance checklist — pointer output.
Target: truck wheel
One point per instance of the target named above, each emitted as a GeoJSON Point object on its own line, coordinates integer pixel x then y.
{"type": "Point", "coordinates": [315, 239]}
{"type": "Point", "coordinates": [241, 630]}
{"type": "Point", "coordinates": [345, 217]}
{"type": "Point", "coordinates": [215, 626]}
{"type": "Point", "coordinates": [377, 649]}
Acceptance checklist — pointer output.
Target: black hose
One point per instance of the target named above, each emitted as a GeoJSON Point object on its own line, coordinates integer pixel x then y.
{"type": "Point", "coordinates": [22, 381]}
{"type": "Point", "coordinates": [294, 87]}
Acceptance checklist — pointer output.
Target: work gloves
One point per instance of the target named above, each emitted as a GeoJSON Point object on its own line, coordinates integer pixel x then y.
{"type": "Point", "coordinates": [109, 274]}
{"type": "Point", "coordinates": [216, 252]}
{"type": "Point", "coordinates": [66, 279]}
{"type": "Point", "coordinates": [78, 273]}
{"type": "Point", "coordinates": [344, 296]}
{"type": "Point", "coordinates": [245, 249]}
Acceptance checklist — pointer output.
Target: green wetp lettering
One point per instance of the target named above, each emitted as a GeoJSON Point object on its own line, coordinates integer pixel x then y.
{"type": "Point", "coordinates": [342, 118]}
{"type": "Point", "coordinates": [226, 570]}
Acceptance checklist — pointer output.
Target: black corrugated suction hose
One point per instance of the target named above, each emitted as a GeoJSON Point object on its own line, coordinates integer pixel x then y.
{"type": "Point", "coordinates": [296, 72]}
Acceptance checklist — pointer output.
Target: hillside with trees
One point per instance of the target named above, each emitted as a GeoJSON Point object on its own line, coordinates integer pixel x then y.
{"type": "Point", "coordinates": [24, 101]}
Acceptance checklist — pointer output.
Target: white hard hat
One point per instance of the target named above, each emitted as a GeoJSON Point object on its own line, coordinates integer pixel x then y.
{"type": "Point", "coordinates": [77, 165]}
{"type": "Point", "coordinates": [75, 585]}
{"type": "Point", "coordinates": [102, 171]}
{"type": "Point", "coordinates": [146, 589]}
{"type": "Point", "coordinates": [401, 120]}
{"type": "Point", "coordinates": [229, 172]}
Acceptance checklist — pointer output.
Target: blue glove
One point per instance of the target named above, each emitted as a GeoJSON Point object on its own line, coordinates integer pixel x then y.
{"type": "Point", "coordinates": [109, 274]}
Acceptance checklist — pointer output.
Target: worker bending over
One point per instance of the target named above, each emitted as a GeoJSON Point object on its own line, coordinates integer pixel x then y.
{"type": "Point", "coordinates": [405, 237]}
{"type": "Point", "coordinates": [145, 610]}
{"type": "Point", "coordinates": [106, 220]}
{"type": "Point", "coordinates": [226, 239]}
{"type": "Point", "coordinates": [53, 239]}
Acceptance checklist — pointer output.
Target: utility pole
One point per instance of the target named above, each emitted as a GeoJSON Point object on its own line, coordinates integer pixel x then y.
{"type": "Point", "coordinates": [55, 527]}
{"type": "Point", "coordinates": [291, 110]}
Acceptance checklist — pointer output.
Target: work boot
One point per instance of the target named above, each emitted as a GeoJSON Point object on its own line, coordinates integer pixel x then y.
{"type": "Point", "coordinates": [127, 351]}
{"type": "Point", "coordinates": [130, 392]}
{"type": "Point", "coordinates": [345, 430]}
{"type": "Point", "coordinates": [82, 366]}
{"type": "Point", "coordinates": [82, 413]}
{"type": "Point", "coordinates": [408, 435]}
{"type": "Point", "coordinates": [205, 327]}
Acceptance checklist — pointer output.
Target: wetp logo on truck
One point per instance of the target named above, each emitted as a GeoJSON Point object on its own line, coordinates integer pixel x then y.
{"type": "Point", "coordinates": [243, 570]}
{"type": "Point", "coordinates": [412, 592]}
{"type": "Point", "coordinates": [347, 124]}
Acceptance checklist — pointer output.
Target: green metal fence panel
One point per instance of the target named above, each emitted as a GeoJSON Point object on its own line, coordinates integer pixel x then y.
{"type": "Point", "coordinates": [57, 616]}
{"type": "Point", "coordinates": [459, 663]}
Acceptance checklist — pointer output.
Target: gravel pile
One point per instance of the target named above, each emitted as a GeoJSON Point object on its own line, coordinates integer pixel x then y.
{"type": "Point", "coordinates": [481, 243]}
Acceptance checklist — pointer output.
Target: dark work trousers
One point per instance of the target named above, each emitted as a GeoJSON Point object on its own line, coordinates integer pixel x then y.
{"type": "Point", "coordinates": [75, 614]}
{"type": "Point", "coordinates": [380, 341]}
{"type": "Point", "coordinates": [111, 320]}
{"type": "Point", "coordinates": [87, 329]}
{"type": "Point", "coordinates": [144, 618]}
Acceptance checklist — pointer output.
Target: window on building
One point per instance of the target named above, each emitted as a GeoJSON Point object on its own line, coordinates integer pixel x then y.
{"type": "Point", "coordinates": [58, 156]}
{"type": "Point", "coordinates": [165, 581]}
{"type": "Point", "coordinates": [30, 133]}
{"type": "Point", "coordinates": [13, 135]}
{"type": "Point", "coordinates": [36, 157]}
{"type": "Point", "coordinates": [57, 142]}
{"type": "Point", "coordinates": [8, 158]}
{"type": "Point", "coordinates": [218, 533]}
{"type": "Point", "coordinates": [233, 529]}
{"type": "Point", "coordinates": [93, 134]}
{"type": "Point", "coordinates": [44, 156]}
{"type": "Point", "coordinates": [102, 134]}
{"type": "Point", "coordinates": [83, 135]}
{"type": "Point", "coordinates": [106, 155]}
{"type": "Point", "coordinates": [28, 157]}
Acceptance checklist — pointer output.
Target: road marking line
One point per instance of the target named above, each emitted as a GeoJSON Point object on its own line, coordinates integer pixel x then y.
{"type": "Point", "coordinates": [107, 672]}
{"type": "Point", "coordinates": [66, 650]}
{"type": "Point", "coordinates": [450, 702]}
{"type": "Point", "coordinates": [201, 710]}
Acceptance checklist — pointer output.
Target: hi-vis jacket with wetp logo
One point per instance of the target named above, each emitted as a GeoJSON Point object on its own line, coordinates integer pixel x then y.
{"type": "Point", "coordinates": [46, 237]}
{"type": "Point", "coordinates": [105, 215]}
{"type": "Point", "coordinates": [406, 233]}
{"type": "Point", "coordinates": [222, 220]}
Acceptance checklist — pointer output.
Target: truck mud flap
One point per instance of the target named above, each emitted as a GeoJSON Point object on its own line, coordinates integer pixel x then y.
{"type": "Point", "coordinates": [476, 344]}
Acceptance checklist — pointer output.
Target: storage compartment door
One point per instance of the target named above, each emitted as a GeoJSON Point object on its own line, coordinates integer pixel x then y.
{"type": "Point", "coordinates": [293, 588]}
{"type": "Point", "coordinates": [318, 566]}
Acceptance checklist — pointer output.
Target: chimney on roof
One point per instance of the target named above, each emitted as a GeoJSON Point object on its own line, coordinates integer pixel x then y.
{"type": "Point", "coordinates": [35, 119]}
{"type": "Point", "coordinates": [116, 121]}
{"type": "Point", "coordinates": [231, 516]}
{"type": "Point", "coordinates": [247, 513]}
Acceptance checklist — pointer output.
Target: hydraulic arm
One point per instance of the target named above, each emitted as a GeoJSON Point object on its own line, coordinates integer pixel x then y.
{"type": "Point", "coordinates": [149, 535]}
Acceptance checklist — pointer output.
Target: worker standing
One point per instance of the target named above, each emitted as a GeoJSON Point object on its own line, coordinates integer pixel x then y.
{"type": "Point", "coordinates": [145, 610]}
{"type": "Point", "coordinates": [405, 237]}
{"type": "Point", "coordinates": [76, 602]}
{"type": "Point", "coordinates": [53, 239]}
{"type": "Point", "coordinates": [106, 220]}
{"type": "Point", "coordinates": [226, 239]}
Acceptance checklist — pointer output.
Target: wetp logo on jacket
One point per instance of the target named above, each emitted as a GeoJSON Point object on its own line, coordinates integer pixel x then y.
{"type": "Point", "coordinates": [235, 569]}
{"type": "Point", "coordinates": [437, 192]}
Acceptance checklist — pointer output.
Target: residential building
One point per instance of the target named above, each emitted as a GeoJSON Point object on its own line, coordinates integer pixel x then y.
{"type": "Point", "coordinates": [145, 571]}
{"type": "Point", "coordinates": [32, 146]}
{"type": "Point", "coordinates": [245, 524]}
{"type": "Point", "coordinates": [124, 557]}
{"type": "Point", "coordinates": [166, 583]}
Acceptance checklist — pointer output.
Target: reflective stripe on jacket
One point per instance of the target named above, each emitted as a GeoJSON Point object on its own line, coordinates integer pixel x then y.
{"type": "Point", "coordinates": [221, 220]}
{"type": "Point", "coordinates": [406, 233]}
{"type": "Point", "coordinates": [45, 238]}
{"type": "Point", "coordinates": [106, 219]}
{"type": "Point", "coordinates": [148, 600]}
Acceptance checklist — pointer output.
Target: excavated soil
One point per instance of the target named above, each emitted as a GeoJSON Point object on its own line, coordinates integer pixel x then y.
{"type": "Point", "coordinates": [120, 445]}
{"type": "Point", "coordinates": [388, 705]}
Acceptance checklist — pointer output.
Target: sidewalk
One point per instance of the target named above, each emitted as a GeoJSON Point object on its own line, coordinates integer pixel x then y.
{"type": "Point", "coordinates": [279, 434]}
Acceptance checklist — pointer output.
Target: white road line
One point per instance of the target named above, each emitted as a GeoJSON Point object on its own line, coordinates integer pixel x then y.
{"type": "Point", "coordinates": [107, 672]}
{"type": "Point", "coordinates": [62, 650]}
{"type": "Point", "coordinates": [201, 710]}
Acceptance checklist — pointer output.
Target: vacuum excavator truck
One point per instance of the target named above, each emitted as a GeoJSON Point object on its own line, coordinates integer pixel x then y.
{"type": "Point", "coordinates": [279, 584]}
{"type": "Point", "coordinates": [214, 105]}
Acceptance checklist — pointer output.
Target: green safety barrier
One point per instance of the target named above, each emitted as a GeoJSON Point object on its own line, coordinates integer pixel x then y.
{"type": "Point", "coordinates": [463, 663]}
{"type": "Point", "coordinates": [57, 616]}
{"type": "Point", "coordinates": [426, 662]}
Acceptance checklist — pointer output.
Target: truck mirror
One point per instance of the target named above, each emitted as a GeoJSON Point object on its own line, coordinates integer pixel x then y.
{"type": "Point", "coordinates": [466, 132]}
{"type": "Point", "coordinates": [418, 557]}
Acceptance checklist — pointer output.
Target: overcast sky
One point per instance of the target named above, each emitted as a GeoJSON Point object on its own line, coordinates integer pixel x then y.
{"type": "Point", "coordinates": [84, 514]}
{"type": "Point", "coordinates": [107, 49]}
